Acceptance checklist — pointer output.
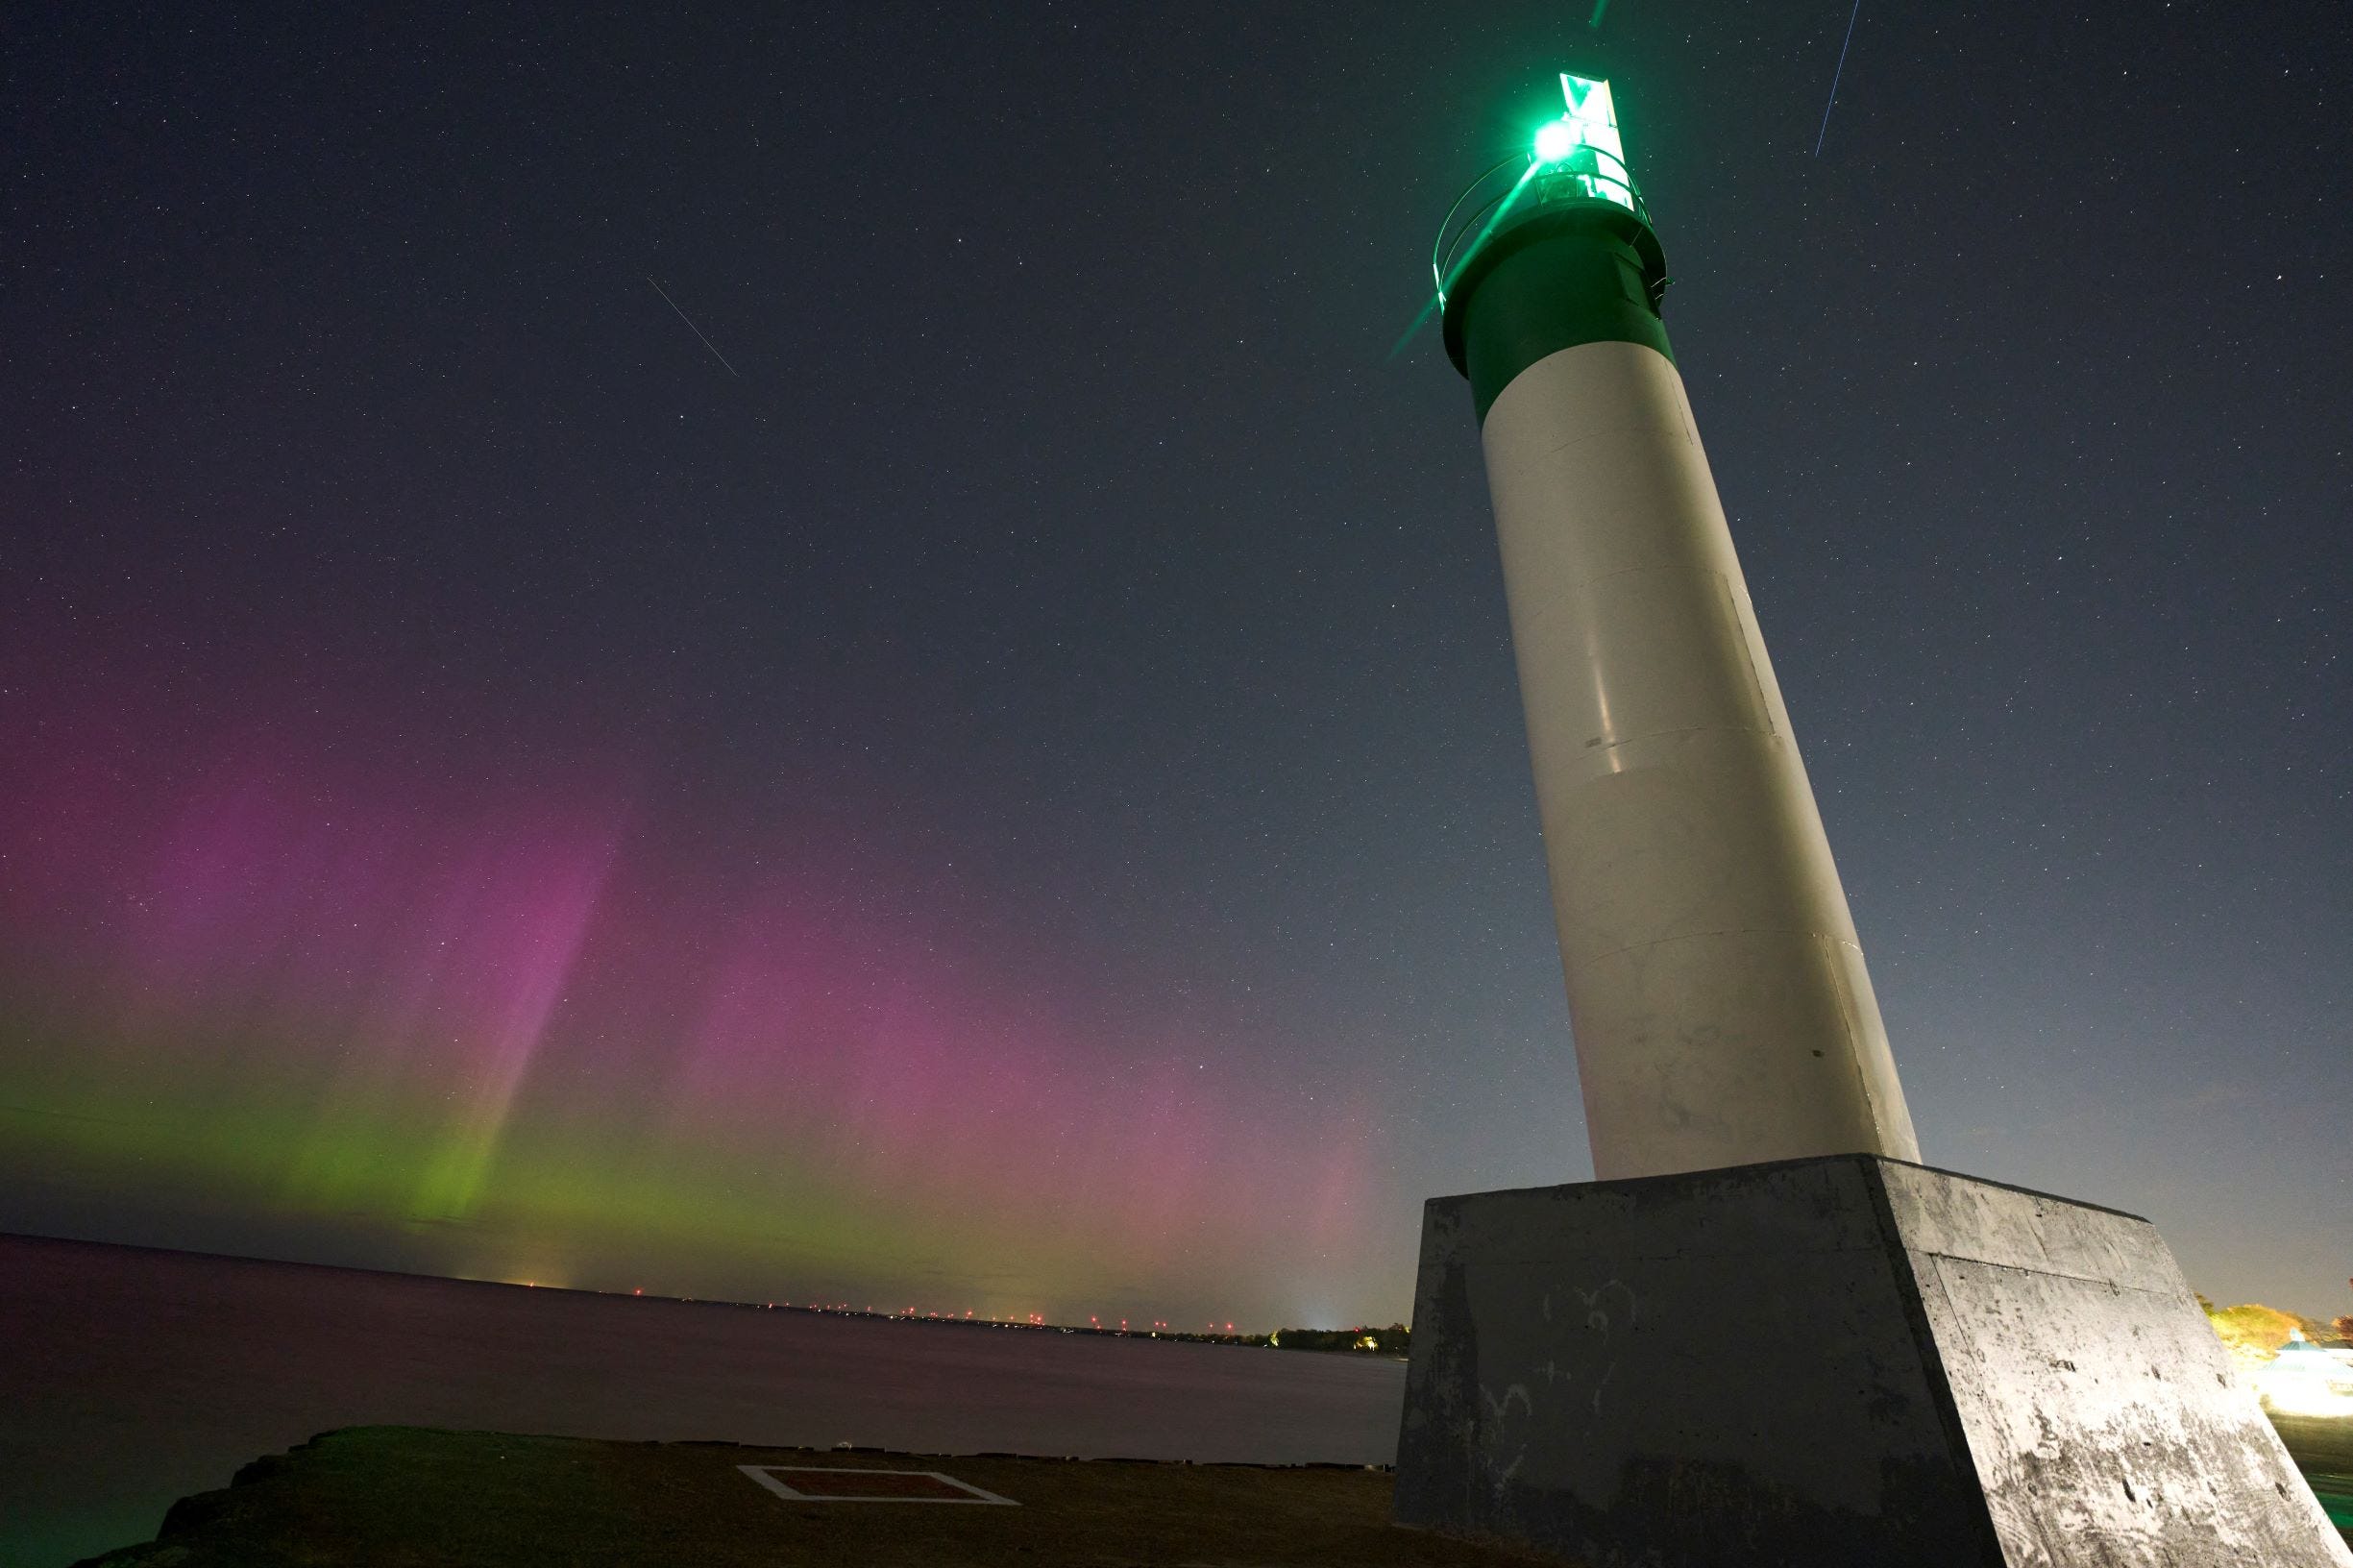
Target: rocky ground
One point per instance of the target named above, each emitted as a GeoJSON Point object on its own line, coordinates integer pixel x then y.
{"type": "Point", "coordinates": [397, 1497]}
{"type": "Point", "coordinates": [408, 1496]}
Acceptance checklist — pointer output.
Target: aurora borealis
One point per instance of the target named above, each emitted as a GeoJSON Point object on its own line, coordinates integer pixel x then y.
{"type": "Point", "coordinates": [494, 1033]}
{"type": "Point", "coordinates": [1007, 795]}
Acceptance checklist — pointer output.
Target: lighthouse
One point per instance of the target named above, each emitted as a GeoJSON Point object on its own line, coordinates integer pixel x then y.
{"type": "Point", "coordinates": [1721, 1006]}
{"type": "Point", "coordinates": [1766, 1334]}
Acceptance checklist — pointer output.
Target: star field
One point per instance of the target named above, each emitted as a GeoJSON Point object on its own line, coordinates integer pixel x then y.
{"type": "Point", "coordinates": [982, 764]}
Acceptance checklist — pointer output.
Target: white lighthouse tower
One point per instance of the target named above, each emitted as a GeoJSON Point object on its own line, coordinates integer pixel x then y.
{"type": "Point", "coordinates": [1722, 1011]}
{"type": "Point", "coordinates": [1766, 1336]}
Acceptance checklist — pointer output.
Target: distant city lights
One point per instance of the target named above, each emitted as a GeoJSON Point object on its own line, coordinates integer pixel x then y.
{"type": "Point", "coordinates": [1094, 1323]}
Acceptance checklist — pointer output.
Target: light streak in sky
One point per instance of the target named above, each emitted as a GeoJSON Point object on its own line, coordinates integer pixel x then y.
{"type": "Point", "coordinates": [1438, 300]}
{"type": "Point", "coordinates": [553, 902]}
{"type": "Point", "coordinates": [1835, 75]}
{"type": "Point", "coordinates": [692, 327]}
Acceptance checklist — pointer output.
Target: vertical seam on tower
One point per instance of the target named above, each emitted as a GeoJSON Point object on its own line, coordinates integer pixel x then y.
{"type": "Point", "coordinates": [1848, 1017]}
{"type": "Point", "coordinates": [1748, 654]}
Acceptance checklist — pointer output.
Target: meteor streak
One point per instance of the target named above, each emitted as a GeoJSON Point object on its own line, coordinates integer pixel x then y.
{"type": "Point", "coordinates": [1834, 76]}
{"type": "Point", "coordinates": [697, 332]}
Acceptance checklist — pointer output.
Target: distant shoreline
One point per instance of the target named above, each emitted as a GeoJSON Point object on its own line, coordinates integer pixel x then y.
{"type": "Point", "coordinates": [1170, 1335]}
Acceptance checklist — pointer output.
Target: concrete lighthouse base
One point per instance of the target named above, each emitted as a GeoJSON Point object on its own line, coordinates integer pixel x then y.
{"type": "Point", "coordinates": [1837, 1360]}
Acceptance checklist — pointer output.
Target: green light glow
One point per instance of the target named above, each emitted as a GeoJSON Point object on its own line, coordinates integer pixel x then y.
{"type": "Point", "coordinates": [1585, 140]}
{"type": "Point", "coordinates": [1580, 157]}
{"type": "Point", "coordinates": [1502, 209]}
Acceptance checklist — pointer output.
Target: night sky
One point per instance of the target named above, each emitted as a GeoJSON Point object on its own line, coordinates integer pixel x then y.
{"type": "Point", "coordinates": [996, 784]}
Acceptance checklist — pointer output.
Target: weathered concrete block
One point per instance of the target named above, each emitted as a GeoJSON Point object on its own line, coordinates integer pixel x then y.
{"type": "Point", "coordinates": [1840, 1360]}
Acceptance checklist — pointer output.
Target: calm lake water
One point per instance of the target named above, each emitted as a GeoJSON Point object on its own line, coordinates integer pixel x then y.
{"type": "Point", "coordinates": [130, 1378]}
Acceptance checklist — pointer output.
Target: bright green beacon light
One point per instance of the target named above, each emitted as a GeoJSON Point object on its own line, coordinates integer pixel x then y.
{"type": "Point", "coordinates": [1586, 140]}
{"type": "Point", "coordinates": [1569, 194]}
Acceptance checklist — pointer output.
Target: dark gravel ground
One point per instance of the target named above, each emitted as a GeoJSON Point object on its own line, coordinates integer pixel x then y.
{"type": "Point", "coordinates": [407, 1498]}
{"type": "Point", "coordinates": [402, 1497]}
